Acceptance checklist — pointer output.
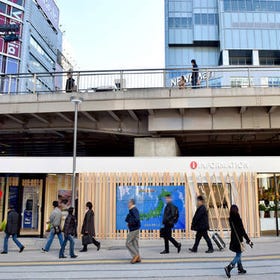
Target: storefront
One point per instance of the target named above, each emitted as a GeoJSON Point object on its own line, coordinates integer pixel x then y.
{"type": "Point", "coordinates": [250, 183]}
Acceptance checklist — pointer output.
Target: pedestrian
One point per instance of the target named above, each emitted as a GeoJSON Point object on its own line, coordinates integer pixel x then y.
{"type": "Point", "coordinates": [134, 224]}
{"type": "Point", "coordinates": [70, 83]}
{"type": "Point", "coordinates": [12, 229]}
{"type": "Point", "coordinates": [69, 229]}
{"type": "Point", "coordinates": [182, 83]}
{"type": "Point", "coordinates": [170, 218]}
{"type": "Point", "coordinates": [195, 73]}
{"type": "Point", "coordinates": [200, 224]}
{"type": "Point", "coordinates": [88, 229]}
{"type": "Point", "coordinates": [236, 241]}
{"type": "Point", "coordinates": [55, 227]}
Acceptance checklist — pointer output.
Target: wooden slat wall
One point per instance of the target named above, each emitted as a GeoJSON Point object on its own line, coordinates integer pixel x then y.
{"type": "Point", "coordinates": [100, 189]}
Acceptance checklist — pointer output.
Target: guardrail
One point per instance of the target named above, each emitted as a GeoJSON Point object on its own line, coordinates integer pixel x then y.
{"type": "Point", "coordinates": [115, 80]}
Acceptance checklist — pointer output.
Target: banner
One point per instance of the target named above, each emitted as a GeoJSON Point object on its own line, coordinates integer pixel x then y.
{"type": "Point", "coordinates": [51, 10]}
{"type": "Point", "coordinates": [150, 201]}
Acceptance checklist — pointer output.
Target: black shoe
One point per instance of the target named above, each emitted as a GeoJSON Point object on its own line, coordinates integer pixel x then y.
{"type": "Point", "coordinates": [228, 269]}
{"type": "Point", "coordinates": [164, 252]}
{"type": "Point", "coordinates": [83, 250]}
{"type": "Point", "coordinates": [192, 250]}
{"type": "Point", "coordinates": [44, 251]}
{"type": "Point", "coordinates": [209, 251]}
{"type": "Point", "coordinates": [74, 257]}
{"type": "Point", "coordinates": [179, 248]}
{"type": "Point", "coordinates": [62, 257]}
{"type": "Point", "coordinates": [98, 246]}
{"type": "Point", "coordinates": [21, 249]}
{"type": "Point", "coordinates": [241, 270]}
{"type": "Point", "coordinates": [4, 253]}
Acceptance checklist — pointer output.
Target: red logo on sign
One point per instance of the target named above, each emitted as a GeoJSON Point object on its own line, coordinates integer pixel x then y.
{"type": "Point", "coordinates": [1, 194]}
{"type": "Point", "coordinates": [193, 165]}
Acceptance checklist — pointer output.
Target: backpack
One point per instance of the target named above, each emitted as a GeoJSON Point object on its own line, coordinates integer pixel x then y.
{"type": "Point", "coordinates": [176, 215]}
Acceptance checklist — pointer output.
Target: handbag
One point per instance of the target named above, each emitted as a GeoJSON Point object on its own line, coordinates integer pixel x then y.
{"type": "Point", "coordinates": [242, 244]}
{"type": "Point", "coordinates": [57, 229]}
{"type": "Point", "coordinates": [162, 232]}
{"type": "Point", "coordinates": [3, 225]}
{"type": "Point", "coordinates": [86, 239]}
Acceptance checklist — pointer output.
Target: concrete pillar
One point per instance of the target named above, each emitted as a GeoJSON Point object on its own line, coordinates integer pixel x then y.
{"type": "Point", "coordinates": [156, 147]}
{"type": "Point", "coordinates": [255, 58]}
{"type": "Point", "coordinates": [225, 55]}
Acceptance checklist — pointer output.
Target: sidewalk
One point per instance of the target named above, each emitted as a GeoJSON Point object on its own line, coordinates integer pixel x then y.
{"type": "Point", "coordinates": [115, 251]}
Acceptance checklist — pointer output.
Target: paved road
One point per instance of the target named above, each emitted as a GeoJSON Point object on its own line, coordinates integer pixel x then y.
{"type": "Point", "coordinates": [268, 270]}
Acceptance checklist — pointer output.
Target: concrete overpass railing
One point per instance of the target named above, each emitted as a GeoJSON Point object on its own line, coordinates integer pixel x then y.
{"type": "Point", "coordinates": [115, 80]}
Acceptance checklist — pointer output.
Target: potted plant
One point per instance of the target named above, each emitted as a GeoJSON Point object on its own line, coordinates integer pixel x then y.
{"type": "Point", "coordinates": [272, 211]}
{"type": "Point", "coordinates": [262, 209]}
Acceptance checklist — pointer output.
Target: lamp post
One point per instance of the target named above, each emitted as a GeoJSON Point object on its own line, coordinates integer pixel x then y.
{"type": "Point", "coordinates": [76, 101]}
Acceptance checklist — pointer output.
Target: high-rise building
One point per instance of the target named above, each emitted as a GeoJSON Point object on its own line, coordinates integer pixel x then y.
{"type": "Point", "coordinates": [39, 48]}
{"type": "Point", "coordinates": [223, 33]}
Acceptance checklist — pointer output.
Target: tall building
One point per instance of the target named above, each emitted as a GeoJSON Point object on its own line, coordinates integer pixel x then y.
{"type": "Point", "coordinates": [223, 33]}
{"type": "Point", "coordinates": [39, 48]}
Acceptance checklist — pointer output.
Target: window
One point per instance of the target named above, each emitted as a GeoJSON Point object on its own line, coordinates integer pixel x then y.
{"type": "Point", "coordinates": [206, 19]}
{"type": "Point", "coordinates": [251, 5]}
{"type": "Point", "coordinates": [269, 57]}
{"type": "Point", "coordinates": [18, 2]}
{"type": "Point", "coordinates": [240, 57]}
{"type": "Point", "coordinates": [180, 22]}
{"type": "Point", "coordinates": [3, 8]}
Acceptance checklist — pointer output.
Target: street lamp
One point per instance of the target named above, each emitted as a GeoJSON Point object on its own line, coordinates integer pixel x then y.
{"type": "Point", "coordinates": [76, 101]}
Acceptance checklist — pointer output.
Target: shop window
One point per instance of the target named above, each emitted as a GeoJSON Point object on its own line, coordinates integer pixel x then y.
{"type": "Point", "coordinates": [240, 57]}
{"type": "Point", "coordinates": [269, 57]}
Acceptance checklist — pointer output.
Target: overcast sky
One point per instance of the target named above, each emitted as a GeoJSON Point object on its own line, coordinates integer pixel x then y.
{"type": "Point", "coordinates": [114, 34]}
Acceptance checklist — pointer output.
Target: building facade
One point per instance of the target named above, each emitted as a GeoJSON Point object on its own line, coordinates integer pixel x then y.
{"type": "Point", "coordinates": [39, 48]}
{"type": "Point", "coordinates": [224, 33]}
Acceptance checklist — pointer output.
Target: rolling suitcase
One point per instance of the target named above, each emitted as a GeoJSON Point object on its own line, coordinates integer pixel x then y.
{"type": "Point", "coordinates": [219, 241]}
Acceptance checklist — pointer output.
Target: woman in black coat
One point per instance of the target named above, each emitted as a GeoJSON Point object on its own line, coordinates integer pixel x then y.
{"type": "Point", "coordinates": [238, 233]}
{"type": "Point", "coordinates": [88, 229]}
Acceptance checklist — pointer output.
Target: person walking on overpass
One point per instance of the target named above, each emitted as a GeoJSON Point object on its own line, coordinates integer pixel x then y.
{"type": "Point", "coordinates": [170, 218]}
{"type": "Point", "coordinates": [55, 227]}
{"type": "Point", "coordinates": [12, 229]}
{"type": "Point", "coordinates": [238, 233]}
{"type": "Point", "coordinates": [134, 224]}
{"type": "Point", "coordinates": [200, 224]}
{"type": "Point", "coordinates": [195, 74]}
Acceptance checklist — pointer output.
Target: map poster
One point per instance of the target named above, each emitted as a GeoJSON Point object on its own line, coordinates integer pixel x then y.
{"type": "Point", "coordinates": [150, 201]}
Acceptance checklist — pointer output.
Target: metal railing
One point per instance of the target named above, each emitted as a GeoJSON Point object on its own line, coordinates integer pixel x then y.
{"type": "Point", "coordinates": [117, 80]}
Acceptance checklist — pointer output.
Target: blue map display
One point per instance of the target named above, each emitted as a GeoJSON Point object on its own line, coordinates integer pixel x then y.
{"type": "Point", "coordinates": [150, 201]}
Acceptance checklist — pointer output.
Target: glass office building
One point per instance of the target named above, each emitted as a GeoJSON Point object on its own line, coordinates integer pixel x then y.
{"type": "Point", "coordinates": [38, 48]}
{"type": "Point", "coordinates": [224, 33]}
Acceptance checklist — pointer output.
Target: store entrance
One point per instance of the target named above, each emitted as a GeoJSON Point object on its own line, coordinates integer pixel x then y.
{"type": "Point", "coordinates": [26, 197]}
{"type": "Point", "coordinates": [269, 207]}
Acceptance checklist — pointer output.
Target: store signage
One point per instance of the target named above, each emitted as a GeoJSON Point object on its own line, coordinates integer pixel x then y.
{"type": "Point", "coordinates": [51, 10]}
{"type": "Point", "coordinates": [219, 165]}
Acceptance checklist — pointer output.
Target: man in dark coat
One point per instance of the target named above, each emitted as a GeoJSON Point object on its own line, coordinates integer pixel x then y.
{"type": "Point", "coordinates": [195, 74]}
{"type": "Point", "coordinates": [170, 218]}
{"type": "Point", "coordinates": [134, 224]}
{"type": "Point", "coordinates": [200, 224]}
{"type": "Point", "coordinates": [88, 229]}
{"type": "Point", "coordinates": [69, 230]}
{"type": "Point", "coordinates": [70, 83]}
{"type": "Point", "coordinates": [12, 229]}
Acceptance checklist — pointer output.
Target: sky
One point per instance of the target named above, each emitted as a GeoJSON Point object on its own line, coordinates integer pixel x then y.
{"type": "Point", "coordinates": [114, 34]}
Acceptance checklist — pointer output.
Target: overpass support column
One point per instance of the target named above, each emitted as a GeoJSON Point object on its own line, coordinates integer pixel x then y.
{"type": "Point", "coordinates": [156, 147]}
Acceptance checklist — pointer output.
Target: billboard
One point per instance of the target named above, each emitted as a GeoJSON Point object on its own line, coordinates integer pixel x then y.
{"type": "Point", "coordinates": [51, 10]}
{"type": "Point", "coordinates": [150, 202]}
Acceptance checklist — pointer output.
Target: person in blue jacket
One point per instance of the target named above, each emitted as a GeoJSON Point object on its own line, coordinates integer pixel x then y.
{"type": "Point", "coordinates": [134, 224]}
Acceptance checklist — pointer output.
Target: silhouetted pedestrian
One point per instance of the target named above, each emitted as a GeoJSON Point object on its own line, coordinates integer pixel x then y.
{"type": "Point", "coordinates": [195, 74]}
{"type": "Point", "coordinates": [200, 224]}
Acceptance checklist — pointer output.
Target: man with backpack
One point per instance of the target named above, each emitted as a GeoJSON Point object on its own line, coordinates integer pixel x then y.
{"type": "Point", "coordinates": [170, 218]}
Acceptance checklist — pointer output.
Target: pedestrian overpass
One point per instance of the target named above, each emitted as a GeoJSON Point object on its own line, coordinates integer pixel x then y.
{"type": "Point", "coordinates": [233, 109]}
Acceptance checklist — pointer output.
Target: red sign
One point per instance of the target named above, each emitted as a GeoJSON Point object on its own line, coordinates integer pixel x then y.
{"type": "Point", "coordinates": [1, 194]}
{"type": "Point", "coordinates": [193, 165]}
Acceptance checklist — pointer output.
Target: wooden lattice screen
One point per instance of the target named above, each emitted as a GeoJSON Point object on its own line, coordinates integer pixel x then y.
{"type": "Point", "coordinates": [220, 190]}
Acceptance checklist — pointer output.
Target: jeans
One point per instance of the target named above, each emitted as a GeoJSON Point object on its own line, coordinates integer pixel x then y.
{"type": "Point", "coordinates": [132, 243]}
{"type": "Point", "coordinates": [168, 237]}
{"type": "Point", "coordinates": [69, 238]}
{"type": "Point", "coordinates": [198, 237]}
{"type": "Point", "coordinates": [6, 239]}
{"type": "Point", "coordinates": [50, 239]}
{"type": "Point", "coordinates": [237, 259]}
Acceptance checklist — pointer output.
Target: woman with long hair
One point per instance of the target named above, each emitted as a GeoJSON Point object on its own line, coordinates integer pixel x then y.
{"type": "Point", "coordinates": [236, 241]}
